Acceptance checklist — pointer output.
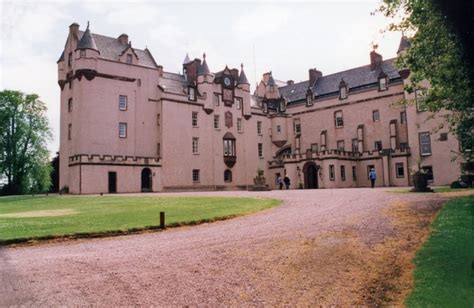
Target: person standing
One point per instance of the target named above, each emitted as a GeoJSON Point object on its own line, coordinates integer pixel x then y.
{"type": "Point", "coordinates": [287, 182]}
{"type": "Point", "coordinates": [279, 182]}
{"type": "Point", "coordinates": [372, 177]}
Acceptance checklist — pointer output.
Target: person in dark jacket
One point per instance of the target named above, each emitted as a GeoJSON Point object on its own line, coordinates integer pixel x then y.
{"type": "Point", "coordinates": [372, 177]}
{"type": "Point", "coordinates": [287, 182]}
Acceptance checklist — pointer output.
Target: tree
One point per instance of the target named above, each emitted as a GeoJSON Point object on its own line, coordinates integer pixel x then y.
{"type": "Point", "coordinates": [437, 55]}
{"type": "Point", "coordinates": [24, 132]}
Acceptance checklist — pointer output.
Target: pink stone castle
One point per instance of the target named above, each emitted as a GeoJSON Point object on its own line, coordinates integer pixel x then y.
{"type": "Point", "coordinates": [129, 126]}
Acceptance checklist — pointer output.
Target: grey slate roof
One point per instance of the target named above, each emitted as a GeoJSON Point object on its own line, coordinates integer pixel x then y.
{"type": "Point", "coordinates": [87, 41]}
{"type": "Point", "coordinates": [110, 48]}
{"type": "Point", "coordinates": [242, 78]}
{"type": "Point", "coordinates": [186, 59]}
{"type": "Point", "coordinates": [355, 78]}
{"type": "Point", "coordinates": [203, 68]}
{"type": "Point", "coordinates": [404, 44]}
{"type": "Point", "coordinates": [172, 83]}
{"type": "Point", "coordinates": [61, 57]}
{"type": "Point", "coordinates": [271, 81]}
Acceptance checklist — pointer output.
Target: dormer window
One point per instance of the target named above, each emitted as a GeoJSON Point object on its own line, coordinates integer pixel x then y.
{"type": "Point", "coordinates": [309, 98]}
{"type": "Point", "coordinates": [191, 94]}
{"type": "Point", "coordinates": [383, 83]}
{"type": "Point", "coordinates": [82, 53]}
{"type": "Point", "coordinates": [129, 59]}
{"type": "Point", "coordinates": [343, 93]}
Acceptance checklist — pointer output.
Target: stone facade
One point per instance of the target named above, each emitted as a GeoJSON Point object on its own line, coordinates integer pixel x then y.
{"type": "Point", "coordinates": [129, 126]}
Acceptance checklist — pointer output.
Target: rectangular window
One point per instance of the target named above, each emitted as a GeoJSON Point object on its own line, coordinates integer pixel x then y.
{"type": "Point", "coordinates": [216, 100]}
{"type": "Point", "coordinates": [378, 145]}
{"type": "Point", "coordinates": [343, 173]}
{"type": "Point", "coordinates": [260, 150]}
{"type": "Point", "coordinates": [399, 170]}
{"type": "Point", "coordinates": [425, 144]}
{"type": "Point", "coordinates": [278, 129]}
{"type": "Point", "coordinates": [69, 59]}
{"type": "Point", "coordinates": [69, 131]}
{"type": "Point", "coordinates": [403, 117]}
{"type": "Point", "coordinates": [259, 127]}
{"type": "Point", "coordinates": [191, 94]}
{"type": "Point", "coordinates": [194, 119]}
{"type": "Point", "coordinates": [354, 173]}
{"type": "Point", "coordinates": [403, 146]}
{"type": "Point", "coordinates": [239, 125]}
{"type": "Point", "coordinates": [82, 53]}
{"type": "Point", "coordinates": [216, 121]}
{"type": "Point", "coordinates": [375, 116]}
{"type": "Point", "coordinates": [323, 140]}
{"type": "Point", "coordinates": [158, 119]}
{"type": "Point", "coordinates": [129, 59]}
{"type": "Point", "coordinates": [340, 145]}
{"type": "Point", "coordinates": [338, 119]}
{"type": "Point", "coordinates": [238, 103]}
{"type": "Point", "coordinates": [196, 175]}
{"type": "Point", "coordinates": [314, 147]}
{"type": "Point", "coordinates": [369, 167]}
{"type": "Point", "coordinates": [229, 147]}
{"type": "Point", "coordinates": [297, 126]}
{"type": "Point", "coordinates": [420, 99]}
{"type": "Point", "coordinates": [69, 105]}
{"type": "Point", "coordinates": [343, 93]}
{"type": "Point", "coordinates": [355, 146]}
{"type": "Point", "coordinates": [195, 145]}
{"type": "Point", "coordinates": [123, 130]}
{"type": "Point", "coordinates": [122, 102]}
{"type": "Point", "coordinates": [443, 137]}
{"type": "Point", "coordinates": [332, 176]}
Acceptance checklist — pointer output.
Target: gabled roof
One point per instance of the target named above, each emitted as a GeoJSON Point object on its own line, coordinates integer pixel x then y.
{"type": "Point", "coordinates": [87, 41]}
{"type": "Point", "coordinates": [354, 78]}
{"type": "Point", "coordinates": [110, 48]}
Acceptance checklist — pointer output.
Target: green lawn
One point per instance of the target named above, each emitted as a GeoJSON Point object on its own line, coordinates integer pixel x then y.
{"type": "Point", "coordinates": [444, 274]}
{"type": "Point", "coordinates": [439, 189]}
{"type": "Point", "coordinates": [24, 217]}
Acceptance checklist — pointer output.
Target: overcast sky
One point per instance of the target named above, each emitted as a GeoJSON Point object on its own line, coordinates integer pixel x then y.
{"type": "Point", "coordinates": [286, 37]}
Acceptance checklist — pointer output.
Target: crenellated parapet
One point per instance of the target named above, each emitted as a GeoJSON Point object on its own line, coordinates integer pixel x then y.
{"type": "Point", "coordinates": [120, 160]}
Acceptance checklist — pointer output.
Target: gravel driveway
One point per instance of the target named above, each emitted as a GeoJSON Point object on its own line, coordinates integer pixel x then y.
{"type": "Point", "coordinates": [309, 250]}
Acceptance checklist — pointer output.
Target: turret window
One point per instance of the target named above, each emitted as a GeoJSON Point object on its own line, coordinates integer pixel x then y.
{"type": "Point", "coordinates": [69, 105]}
{"type": "Point", "coordinates": [238, 103]}
{"type": "Point", "coordinates": [216, 100]}
{"type": "Point", "coordinates": [69, 59]}
{"type": "Point", "coordinates": [82, 53]}
{"type": "Point", "coordinates": [192, 94]}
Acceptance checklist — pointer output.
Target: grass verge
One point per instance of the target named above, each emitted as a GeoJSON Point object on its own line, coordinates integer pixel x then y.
{"type": "Point", "coordinates": [26, 219]}
{"type": "Point", "coordinates": [444, 274]}
{"type": "Point", "coordinates": [439, 189]}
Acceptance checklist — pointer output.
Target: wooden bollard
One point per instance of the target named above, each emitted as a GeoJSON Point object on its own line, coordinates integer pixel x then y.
{"type": "Point", "coordinates": [162, 220]}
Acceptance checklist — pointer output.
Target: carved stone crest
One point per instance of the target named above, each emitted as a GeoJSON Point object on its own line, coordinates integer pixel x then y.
{"type": "Point", "coordinates": [228, 119]}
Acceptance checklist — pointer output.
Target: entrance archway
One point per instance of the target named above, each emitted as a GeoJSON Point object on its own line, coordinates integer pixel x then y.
{"type": "Point", "coordinates": [146, 180]}
{"type": "Point", "coordinates": [310, 171]}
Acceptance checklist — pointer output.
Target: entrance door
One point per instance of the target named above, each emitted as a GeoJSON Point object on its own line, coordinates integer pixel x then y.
{"type": "Point", "coordinates": [311, 176]}
{"type": "Point", "coordinates": [146, 179]}
{"type": "Point", "coordinates": [112, 182]}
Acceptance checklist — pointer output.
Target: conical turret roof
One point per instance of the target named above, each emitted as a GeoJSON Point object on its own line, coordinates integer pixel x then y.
{"type": "Point", "coordinates": [271, 81]}
{"type": "Point", "coordinates": [404, 44]}
{"type": "Point", "coordinates": [186, 59]}
{"type": "Point", "coordinates": [87, 41]}
{"type": "Point", "coordinates": [204, 69]}
{"type": "Point", "coordinates": [242, 78]}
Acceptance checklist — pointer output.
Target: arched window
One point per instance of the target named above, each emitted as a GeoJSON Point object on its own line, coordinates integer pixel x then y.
{"type": "Point", "coordinates": [227, 176]}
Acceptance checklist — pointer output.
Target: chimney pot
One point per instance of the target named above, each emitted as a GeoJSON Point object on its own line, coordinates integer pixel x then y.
{"type": "Point", "coordinates": [290, 82]}
{"type": "Point", "coordinates": [74, 29]}
{"type": "Point", "coordinates": [375, 60]}
{"type": "Point", "coordinates": [314, 75]}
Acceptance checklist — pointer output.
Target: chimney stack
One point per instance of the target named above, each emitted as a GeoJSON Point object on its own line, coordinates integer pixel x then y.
{"type": "Point", "coordinates": [74, 29]}
{"type": "Point", "coordinates": [314, 75]}
{"type": "Point", "coordinates": [123, 38]}
{"type": "Point", "coordinates": [375, 60]}
{"type": "Point", "coordinates": [290, 82]}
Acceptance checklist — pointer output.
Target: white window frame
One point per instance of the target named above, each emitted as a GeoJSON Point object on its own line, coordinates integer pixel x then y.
{"type": "Point", "coordinates": [123, 102]}
{"type": "Point", "coordinates": [217, 121]}
{"type": "Point", "coordinates": [195, 119]}
{"type": "Point", "coordinates": [383, 84]}
{"type": "Point", "coordinates": [338, 119]}
{"type": "Point", "coordinates": [239, 125]}
{"type": "Point", "coordinates": [191, 94]}
{"type": "Point", "coordinates": [196, 175]}
{"type": "Point", "coordinates": [195, 145]}
{"type": "Point", "coordinates": [123, 130]}
{"type": "Point", "coordinates": [375, 112]}
{"type": "Point", "coordinates": [422, 151]}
